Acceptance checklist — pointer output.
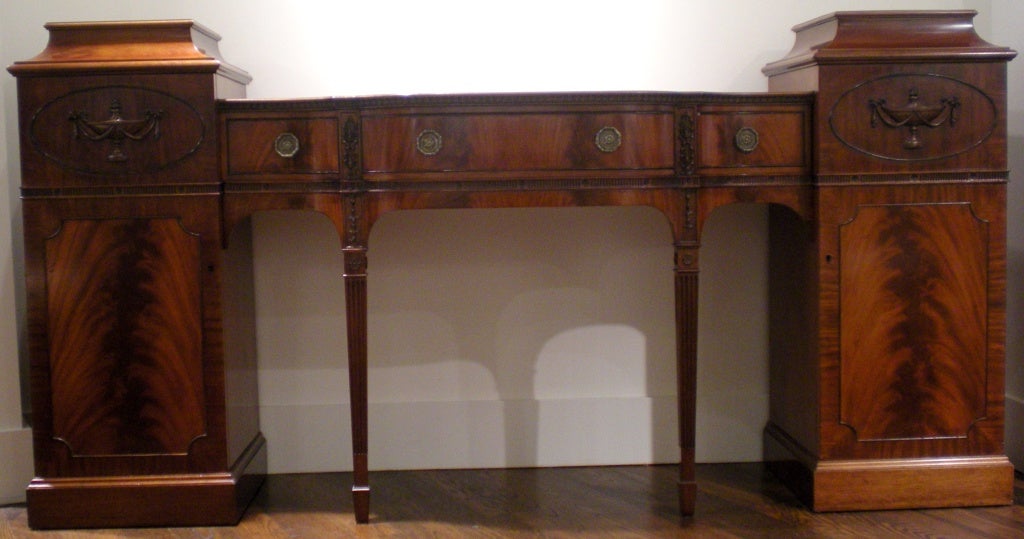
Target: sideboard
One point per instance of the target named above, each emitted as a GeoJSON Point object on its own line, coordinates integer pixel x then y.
{"type": "Point", "coordinates": [880, 150]}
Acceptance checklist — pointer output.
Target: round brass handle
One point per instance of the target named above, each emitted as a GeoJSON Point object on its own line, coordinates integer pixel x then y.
{"type": "Point", "coordinates": [286, 145]}
{"type": "Point", "coordinates": [746, 139]}
{"type": "Point", "coordinates": [429, 142]}
{"type": "Point", "coordinates": [608, 139]}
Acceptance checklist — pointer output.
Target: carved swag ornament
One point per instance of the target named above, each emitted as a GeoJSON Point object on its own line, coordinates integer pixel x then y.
{"type": "Point", "coordinates": [116, 129]}
{"type": "Point", "coordinates": [914, 115]}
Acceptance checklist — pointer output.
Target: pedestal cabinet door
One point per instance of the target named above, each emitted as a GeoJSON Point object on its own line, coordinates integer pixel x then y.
{"type": "Point", "coordinates": [125, 329]}
{"type": "Point", "coordinates": [913, 321]}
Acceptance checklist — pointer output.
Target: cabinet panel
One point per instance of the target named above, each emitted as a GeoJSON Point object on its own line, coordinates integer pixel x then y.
{"type": "Point", "coordinates": [913, 321]}
{"type": "Point", "coordinates": [117, 130]}
{"type": "Point", "coordinates": [931, 118]}
{"type": "Point", "coordinates": [913, 117]}
{"type": "Point", "coordinates": [125, 327]}
{"type": "Point", "coordinates": [100, 131]}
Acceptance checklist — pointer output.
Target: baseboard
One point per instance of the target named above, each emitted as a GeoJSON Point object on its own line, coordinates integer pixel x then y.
{"type": "Point", "coordinates": [1014, 438]}
{"type": "Point", "coordinates": [477, 434]}
{"type": "Point", "coordinates": [16, 455]}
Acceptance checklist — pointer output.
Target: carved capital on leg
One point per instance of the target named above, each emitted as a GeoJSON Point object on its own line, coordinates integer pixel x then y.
{"type": "Point", "coordinates": [687, 259]}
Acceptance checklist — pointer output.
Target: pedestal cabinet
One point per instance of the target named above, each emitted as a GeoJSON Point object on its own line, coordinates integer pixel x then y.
{"type": "Point", "coordinates": [902, 271]}
{"type": "Point", "coordinates": [140, 333]}
{"type": "Point", "coordinates": [881, 151]}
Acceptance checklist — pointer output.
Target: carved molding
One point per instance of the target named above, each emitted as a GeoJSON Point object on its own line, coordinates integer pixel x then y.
{"type": "Point", "coordinates": [687, 133]}
{"type": "Point", "coordinates": [283, 187]}
{"type": "Point", "coordinates": [668, 99]}
{"type": "Point", "coordinates": [691, 209]}
{"type": "Point", "coordinates": [352, 221]}
{"type": "Point", "coordinates": [914, 177]}
{"type": "Point", "coordinates": [350, 140]}
{"type": "Point", "coordinates": [573, 184]}
{"type": "Point", "coordinates": [119, 191]}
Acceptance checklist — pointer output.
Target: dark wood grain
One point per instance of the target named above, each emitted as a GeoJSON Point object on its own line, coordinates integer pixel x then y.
{"type": "Point", "coordinates": [249, 146]}
{"type": "Point", "coordinates": [143, 397]}
{"type": "Point", "coordinates": [734, 500]}
{"type": "Point", "coordinates": [884, 163]}
{"type": "Point", "coordinates": [911, 334]}
{"type": "Point", "coordinates": [515, 142]}
{"type": "Point", "coordinates": [779, 148]}
{"type": "Point", "coordinates": [126, 326]}
{"type": "Point", "coordinates": [893, 267]}
{"type": "Point", "coordinates": [903, 300]}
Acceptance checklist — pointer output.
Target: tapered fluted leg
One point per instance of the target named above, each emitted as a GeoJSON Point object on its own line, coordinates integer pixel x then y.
{"type": "Point", "coordinates": [355, 312]}
{"type": "Point", "coordinates": [686, 373]}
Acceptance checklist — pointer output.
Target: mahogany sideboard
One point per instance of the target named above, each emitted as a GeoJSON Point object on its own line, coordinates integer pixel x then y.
{"type": "Point", "coordinates": [880, 150]}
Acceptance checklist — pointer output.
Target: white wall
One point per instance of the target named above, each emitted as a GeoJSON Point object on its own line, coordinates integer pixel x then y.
{"type": "Point", "coordinates": [15, 440]}
{"type": "Point", "coordinates": [497, 337]}
{"type": "Point", "coordinates": [1006, 18]}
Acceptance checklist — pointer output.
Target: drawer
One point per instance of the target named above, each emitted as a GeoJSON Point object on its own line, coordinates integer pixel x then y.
{"type": "Point", "coordinates": [282, 146]}
{"type": "Point", "coordinates": [737, 141]}
{"type": "Point", "coordinates": [507, 142]}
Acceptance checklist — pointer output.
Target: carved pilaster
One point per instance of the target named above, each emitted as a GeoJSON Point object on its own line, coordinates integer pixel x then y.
{"type": "Point", "coordinates": [686, 133]}
{"type": "Point", "coordinates": [356, 227]}
{"type": "Point", "coordinates": [350, 139]}
{"type": "Point", "coordinates": [690, 208]}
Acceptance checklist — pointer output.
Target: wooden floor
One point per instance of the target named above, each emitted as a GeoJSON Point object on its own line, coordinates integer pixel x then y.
{"type": "Point", "coordinates": [734, 500]}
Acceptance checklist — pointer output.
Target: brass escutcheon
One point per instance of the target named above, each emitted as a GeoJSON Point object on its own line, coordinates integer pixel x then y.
{"type": "Point", "coordinates": [608, 139]}
{"type": "Point", "coordinates": [429, 142]}
{"type": "Point", "coordinates": [746, 139]}
{"type": "Point", "coordinates": [286, 145]}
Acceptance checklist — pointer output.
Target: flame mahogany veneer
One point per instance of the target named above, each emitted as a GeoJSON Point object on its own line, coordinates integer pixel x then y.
{"type": "Point", "coordinates": [881, 150]}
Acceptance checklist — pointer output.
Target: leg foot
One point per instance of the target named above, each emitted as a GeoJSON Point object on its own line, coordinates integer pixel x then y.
{"type": "Point", "coordinates": [687, 497]}
{"type": "Point", "coordinates": [361, 503]}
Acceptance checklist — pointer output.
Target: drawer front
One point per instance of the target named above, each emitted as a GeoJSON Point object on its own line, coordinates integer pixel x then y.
{"type": "Point", "coordinates": [945, 118]}
{"type": "Point", "coordinates": [98, 132]}
{"type": "Point", "coordinates": [424, 143]}
{"type": "Point", "coordinates": [282, 146]}
{"type": "Point", "coordinates": [731, 141]}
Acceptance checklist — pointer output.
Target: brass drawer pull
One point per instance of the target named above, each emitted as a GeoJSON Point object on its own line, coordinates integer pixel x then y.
{"type": "Point", "coordinates": [608, 139]}
{"type": "Point", "coordinates": [429, 142]}
{"type": "Point", "coordinates": [286, 145]}
{"type": "Point", "coordinates": [746, 139]}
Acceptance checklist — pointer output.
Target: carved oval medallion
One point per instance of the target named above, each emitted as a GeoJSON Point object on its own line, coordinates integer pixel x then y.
{"type": "Point", "coordinates": [116, 130]}
{"type": "Point", "coordinates": [908, 117]}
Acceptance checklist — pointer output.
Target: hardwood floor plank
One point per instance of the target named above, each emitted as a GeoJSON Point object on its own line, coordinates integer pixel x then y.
{"type": "Point", "coordinates": [733, 501]}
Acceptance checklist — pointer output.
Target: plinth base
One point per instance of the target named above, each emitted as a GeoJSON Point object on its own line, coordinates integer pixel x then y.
{"type": "Point", "coordinates": [207, 499]}
{"type": "Point", "coordinates": [878, 484]}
